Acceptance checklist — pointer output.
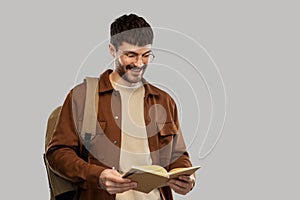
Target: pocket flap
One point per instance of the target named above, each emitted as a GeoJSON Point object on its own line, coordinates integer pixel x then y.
{"type": "Point", "coordinates": [100, 127]}
{"type": "Point", "coordinates": [168, 128]}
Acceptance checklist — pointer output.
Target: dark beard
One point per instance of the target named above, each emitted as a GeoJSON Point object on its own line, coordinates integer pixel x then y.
{"type": "Point", "coordinates": [134, 67]}
{"type": "Point", "coordinates": [120, 70]}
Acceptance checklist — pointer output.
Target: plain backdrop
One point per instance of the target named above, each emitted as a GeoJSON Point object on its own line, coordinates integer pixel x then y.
{"type": "Point", "coordinates": [254, 44]}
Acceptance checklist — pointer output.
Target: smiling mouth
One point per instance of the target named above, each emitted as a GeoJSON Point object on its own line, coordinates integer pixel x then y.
{"type": "Point", "coordinates": [135, 69]}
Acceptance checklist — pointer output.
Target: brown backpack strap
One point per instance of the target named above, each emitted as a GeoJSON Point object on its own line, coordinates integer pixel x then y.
{"type": "Point", "coordinates": [88, 130]}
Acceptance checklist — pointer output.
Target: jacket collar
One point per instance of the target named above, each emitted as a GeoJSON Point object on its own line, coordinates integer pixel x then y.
{"type": "Point", "coordinates": [105, 85]}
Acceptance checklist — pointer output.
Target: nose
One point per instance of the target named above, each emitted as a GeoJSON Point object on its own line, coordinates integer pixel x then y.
{"type": "Point", "coordinates": [139, 61]}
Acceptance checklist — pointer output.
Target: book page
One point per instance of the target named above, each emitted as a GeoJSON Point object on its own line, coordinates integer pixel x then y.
{"type": "Point", "coordinates": [153, 169]}
{"type": "Point", "coordinates": [175, 173]}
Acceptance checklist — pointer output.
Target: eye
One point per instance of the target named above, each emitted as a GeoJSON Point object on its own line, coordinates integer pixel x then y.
{"type": "Point", "coordinates": [130, 55]}
{"type": "Point", "coordinates": [146, 55]}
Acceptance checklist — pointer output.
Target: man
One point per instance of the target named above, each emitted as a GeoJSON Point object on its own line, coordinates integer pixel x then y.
{"type": "Point", "coordinates": [138, 125]}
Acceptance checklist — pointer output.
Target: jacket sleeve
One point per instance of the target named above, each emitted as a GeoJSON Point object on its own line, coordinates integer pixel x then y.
{"type": "Point", "coordinates": [180, 156]}
{"type": "Point", "coordinates": [62, 153]}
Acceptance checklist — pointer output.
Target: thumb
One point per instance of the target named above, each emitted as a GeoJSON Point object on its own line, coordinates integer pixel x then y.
{"type": "Point", "coordinates": [116, 173]}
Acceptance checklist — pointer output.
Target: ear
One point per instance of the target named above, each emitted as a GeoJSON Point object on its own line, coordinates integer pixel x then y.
{"type": "Point", "coordinates": [112, 50]}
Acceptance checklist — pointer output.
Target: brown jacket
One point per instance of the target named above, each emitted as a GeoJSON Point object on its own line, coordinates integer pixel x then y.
{"type": "Point", "coordinates": [165, 139]}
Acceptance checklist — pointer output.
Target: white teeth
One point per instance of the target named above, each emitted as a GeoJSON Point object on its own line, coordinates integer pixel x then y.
{"type": "Point", "coordinates": [136, 70]}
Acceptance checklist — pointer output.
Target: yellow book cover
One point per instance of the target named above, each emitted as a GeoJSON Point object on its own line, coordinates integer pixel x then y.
{"type": "Point", "coordinates": [154, 176]}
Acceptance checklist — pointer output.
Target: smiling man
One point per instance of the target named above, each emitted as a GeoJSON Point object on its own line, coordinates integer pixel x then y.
{"type": "Point", "coordinates": [134, 131]}
{"type": "Point", "coordinates": [131, 62]}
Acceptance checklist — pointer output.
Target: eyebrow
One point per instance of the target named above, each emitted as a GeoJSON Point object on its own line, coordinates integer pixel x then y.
{"type": "Point", "coordinates": [136, 53]}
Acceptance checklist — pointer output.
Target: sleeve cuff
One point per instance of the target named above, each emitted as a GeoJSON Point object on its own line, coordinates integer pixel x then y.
{"type": "Point", "coordinates": [92, 180]}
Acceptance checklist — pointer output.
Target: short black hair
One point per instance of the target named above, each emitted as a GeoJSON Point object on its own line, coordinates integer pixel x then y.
{"type": "Point", "coordinates": [132, 29]}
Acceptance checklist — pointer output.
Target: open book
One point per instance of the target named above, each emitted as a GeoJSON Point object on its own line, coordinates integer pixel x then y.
{"type": "Point", "coordinates": [154, 176]}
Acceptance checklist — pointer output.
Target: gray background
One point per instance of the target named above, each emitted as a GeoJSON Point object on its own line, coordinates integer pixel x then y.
{"type": "Point", "coordinates": [254, 43]}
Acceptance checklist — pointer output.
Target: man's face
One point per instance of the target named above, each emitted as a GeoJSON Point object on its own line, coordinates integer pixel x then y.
{"type": "Point", "coordinates": [131, 61]}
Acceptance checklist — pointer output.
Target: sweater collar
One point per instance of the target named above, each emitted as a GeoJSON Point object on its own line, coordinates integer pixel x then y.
{"type": "Point", "coordinates": [105, 85]}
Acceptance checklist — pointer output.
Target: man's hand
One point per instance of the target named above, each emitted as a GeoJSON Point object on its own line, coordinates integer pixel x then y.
{"type": "Point", "coordinates": [183, 184]}
{"type": "Point", "coordinates": [112, 181]}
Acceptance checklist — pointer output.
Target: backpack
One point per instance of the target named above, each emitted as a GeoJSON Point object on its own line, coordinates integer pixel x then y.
{"type": "Point", "coordinates": [60, 187]}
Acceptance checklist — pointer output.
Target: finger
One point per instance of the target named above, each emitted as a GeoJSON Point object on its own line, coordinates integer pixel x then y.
{"type": "Point", "coordinates": [116, 173]}
{"type": "Point", "coordinates": [118, 190]}
{"type": "Point", "coordinates": [120, 185]}
{"type": "Point", "coordinates": [189, 179]}
{"type": "Point", "coordinates": [186, 186]}
{"type": "Point", "coordinates": [185, 178]}
{"type": "Point", "coordinates": [118, 179]}
{"type": "Point", "coordinates": [179, 183]}
{"type": "Point", "coordinates": [178, 189]}
{"type": "Point", "coordinates": [114, 190]}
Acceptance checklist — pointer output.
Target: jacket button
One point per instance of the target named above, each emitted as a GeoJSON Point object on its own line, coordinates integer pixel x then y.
{"type": "Point", "coordinates": [115, 92]}
{"type": "Point", "coordinates": [115, 142]}
{"type": "Point", "coordinates": [116, 117]}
